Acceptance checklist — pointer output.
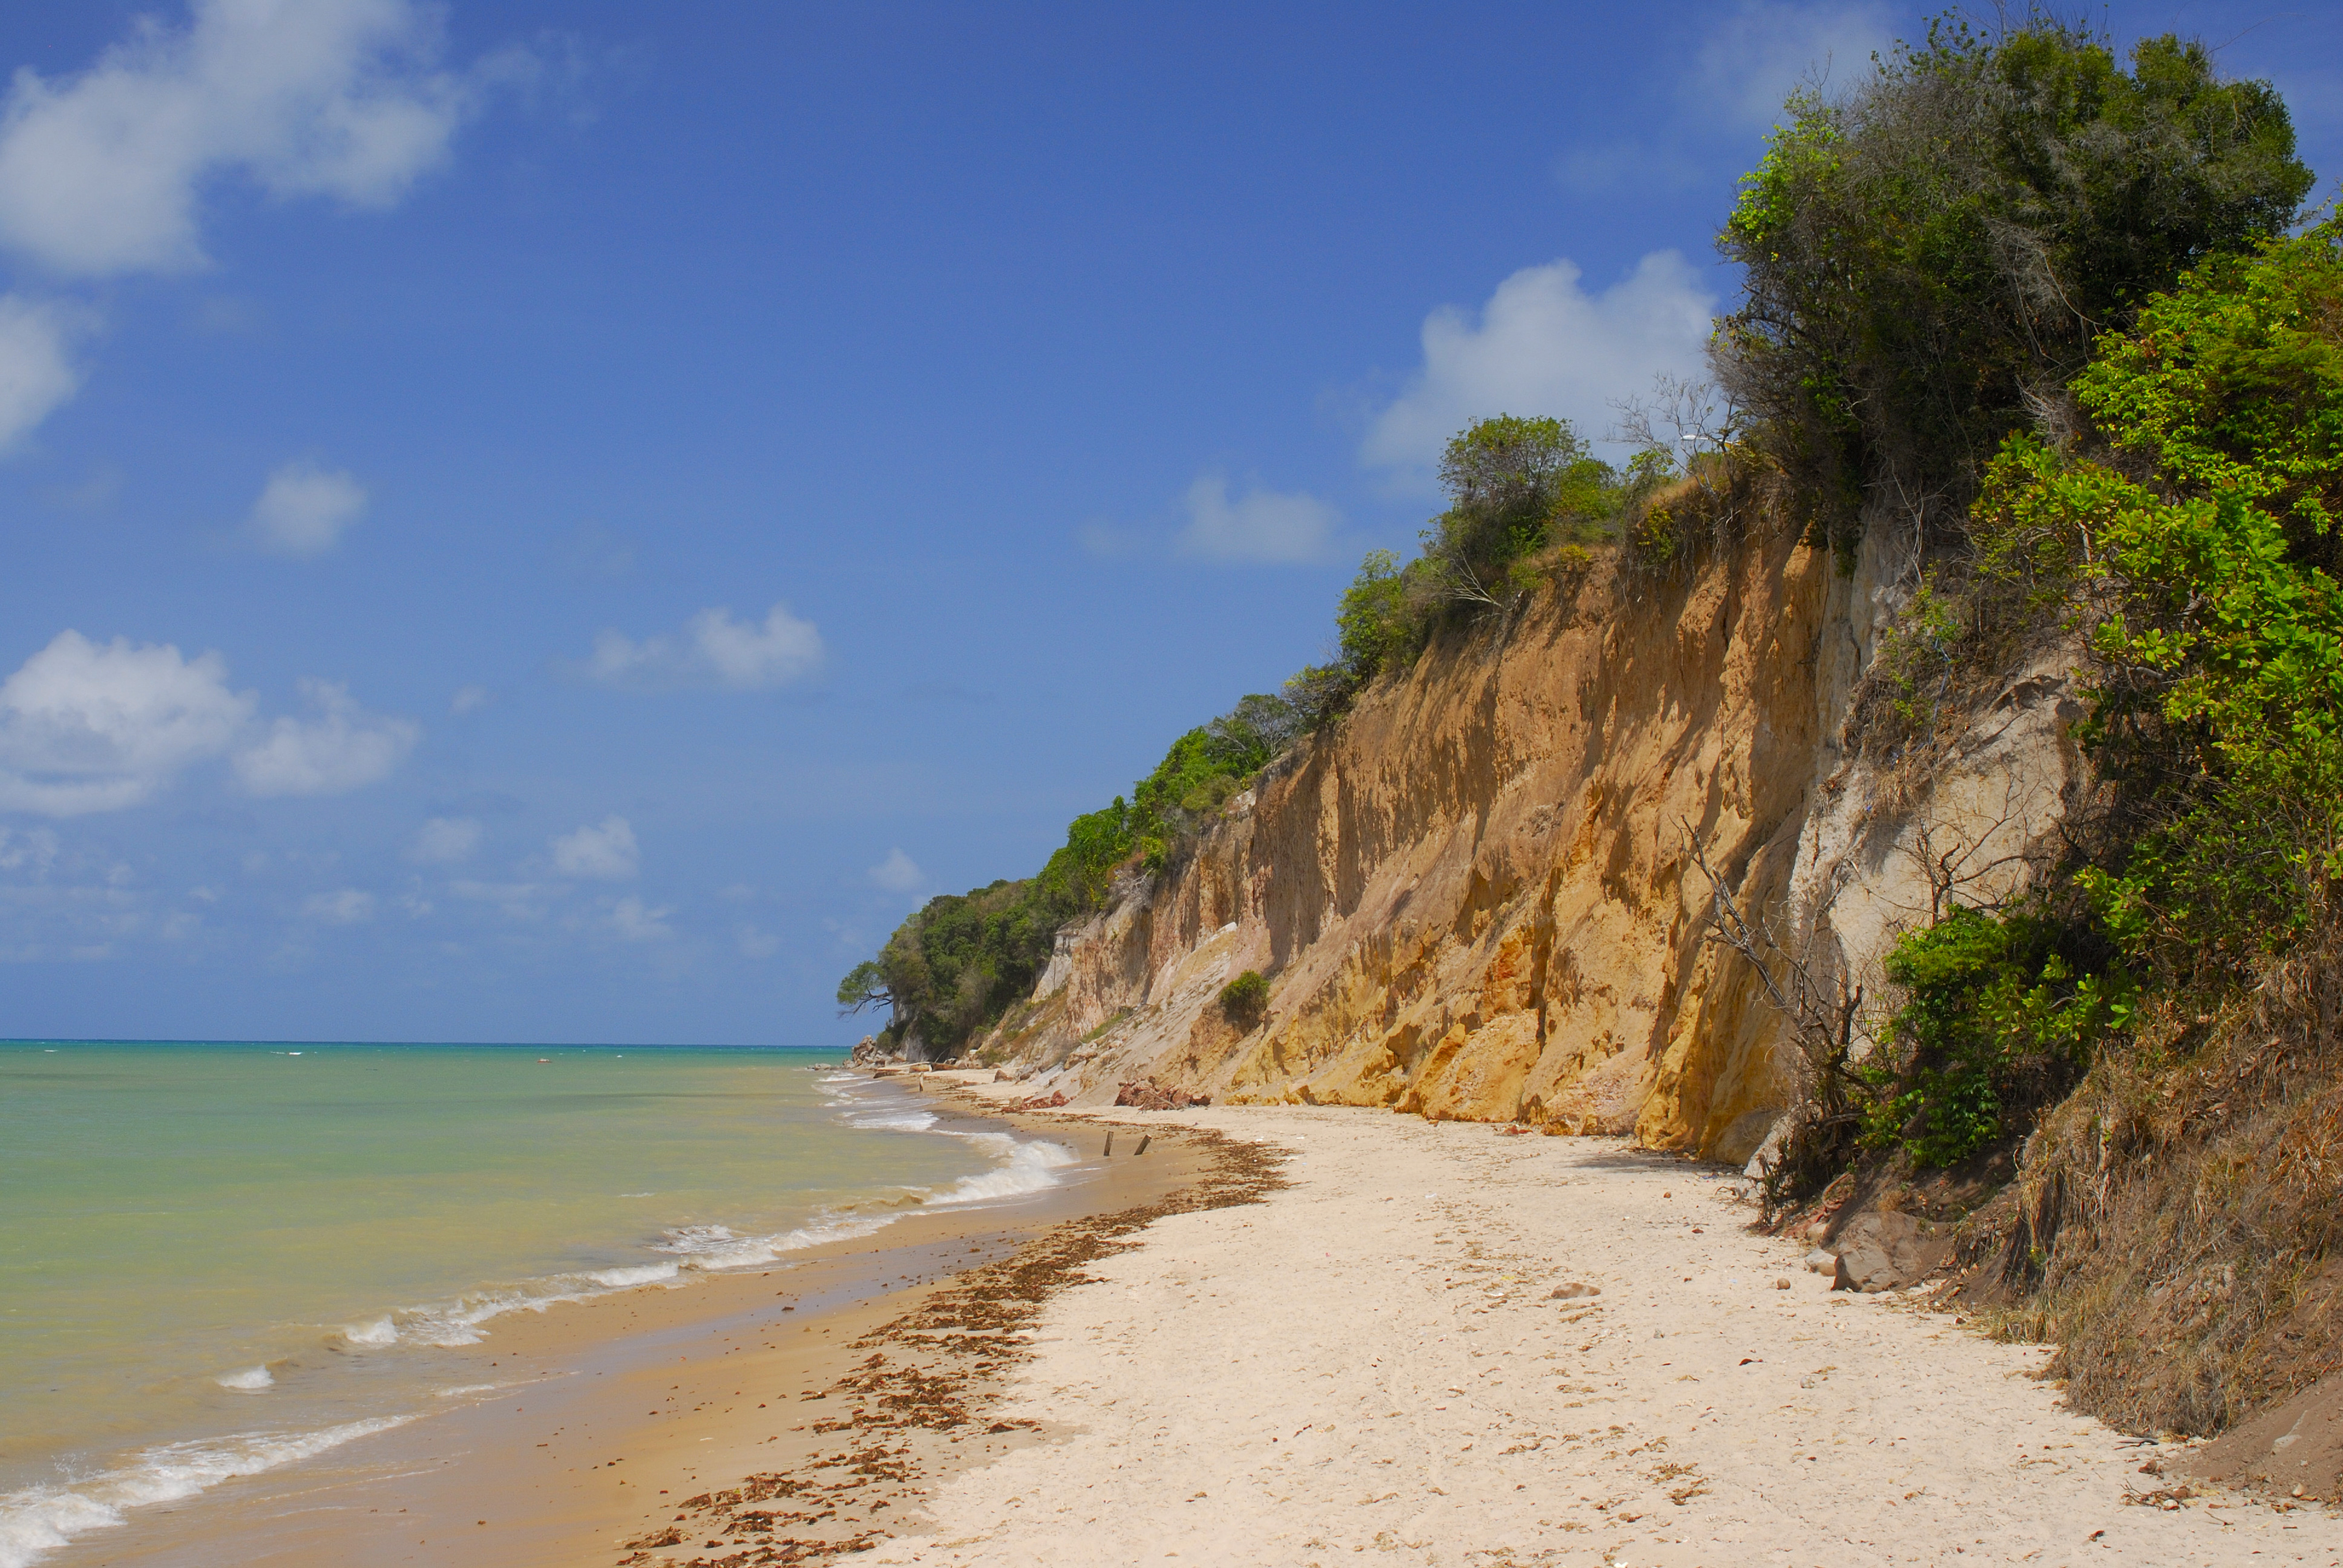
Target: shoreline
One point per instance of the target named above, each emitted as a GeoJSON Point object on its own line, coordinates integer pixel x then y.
{"type": "Point", "coordinates": [922, 1383]}
{"type": "Point", "coordinates": [572, 1412]}
{"type": "Point", "coordinates": [1318, 1332]}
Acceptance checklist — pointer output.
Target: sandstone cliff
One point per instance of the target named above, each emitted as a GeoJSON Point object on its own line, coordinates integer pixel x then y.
{"type": "Point", "coordinates": [1475, 895]}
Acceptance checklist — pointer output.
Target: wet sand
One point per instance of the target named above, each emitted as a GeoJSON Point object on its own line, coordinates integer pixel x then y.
{"type": "Point", "coordinates": [607, 1413]}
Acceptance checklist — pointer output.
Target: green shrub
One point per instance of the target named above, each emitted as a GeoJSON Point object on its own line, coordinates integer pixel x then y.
{"type": "Point", "coordinates": [1526, 500]}
{"type": "Point", "coordinates": [2216, 625]}
{"type": "Point", "coordinates": [1377, 625]}
{"type": "Point", "coordinates": [2000, 1016]}
{"type": "Point", "coordinates": [1516, 487]}
{"type": "Point", "coordinates": [2198, 572]}
{"type": "Point", "coordinates": [1245, 999]}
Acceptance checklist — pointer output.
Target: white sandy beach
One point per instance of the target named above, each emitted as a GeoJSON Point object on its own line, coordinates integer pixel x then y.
{"type": "Point", "coordinates": [1373, 1362]}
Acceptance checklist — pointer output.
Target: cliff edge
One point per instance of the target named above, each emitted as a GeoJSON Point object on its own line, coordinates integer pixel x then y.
{"type": "Point", "coordinates": [1477, 897]}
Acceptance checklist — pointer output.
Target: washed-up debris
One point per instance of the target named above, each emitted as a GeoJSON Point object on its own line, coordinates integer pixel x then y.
{"type": "Point", "coordinates": [1149, 1095]}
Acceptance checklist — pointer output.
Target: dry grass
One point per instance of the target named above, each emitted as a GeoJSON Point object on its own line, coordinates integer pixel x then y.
{"type": "Point", "coordinates": [2176, 1225]}
{"type": "Point", "coordinates": [1727, 496]}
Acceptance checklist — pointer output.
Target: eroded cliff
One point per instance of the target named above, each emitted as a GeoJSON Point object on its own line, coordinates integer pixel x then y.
{"type": "Point", "coordinates": [1477, 895]}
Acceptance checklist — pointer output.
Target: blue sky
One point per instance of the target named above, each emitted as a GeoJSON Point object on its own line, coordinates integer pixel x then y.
{"type": "Point", "coordinates": [564, 522]}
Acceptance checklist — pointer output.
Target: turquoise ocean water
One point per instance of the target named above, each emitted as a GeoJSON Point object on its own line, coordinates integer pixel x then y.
{"type": "Point", "coordinates": [220, 1259]}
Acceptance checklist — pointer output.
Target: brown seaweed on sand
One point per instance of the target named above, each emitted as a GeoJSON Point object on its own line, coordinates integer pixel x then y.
{"type": "Point", "coordinates": [922, 1389]}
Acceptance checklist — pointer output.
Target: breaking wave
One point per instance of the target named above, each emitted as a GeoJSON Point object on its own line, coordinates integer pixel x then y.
{"type": "Point", "coordinates": [41, 1519]}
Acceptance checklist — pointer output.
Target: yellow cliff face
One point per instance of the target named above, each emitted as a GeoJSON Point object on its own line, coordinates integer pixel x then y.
{"type": "Point", "coordinates": [1475, 896]}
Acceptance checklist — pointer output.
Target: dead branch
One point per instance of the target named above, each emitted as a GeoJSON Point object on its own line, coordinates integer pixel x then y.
{"type": "Point", "coordinates": [1823, 1018]}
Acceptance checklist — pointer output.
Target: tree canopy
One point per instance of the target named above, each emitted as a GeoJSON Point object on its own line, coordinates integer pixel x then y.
{"type": "Point", "coordinates": [1930, 256]}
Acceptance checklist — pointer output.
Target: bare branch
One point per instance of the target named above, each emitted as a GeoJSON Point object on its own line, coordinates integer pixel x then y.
{"type": "Point", "coordinates": [1823, 1018]}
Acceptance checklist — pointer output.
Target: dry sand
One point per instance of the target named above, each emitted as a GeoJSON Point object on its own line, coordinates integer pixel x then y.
{"type": "Point", "coordinates": [1372, 1360]}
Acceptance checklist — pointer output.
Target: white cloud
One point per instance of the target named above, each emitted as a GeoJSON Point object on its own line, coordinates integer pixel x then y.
{"type": "Point", "coordinates": [746, 657]}
{"type": "Point", "coordinates": [38, 849]}
{"type": "Point", "coordinates": [445, 841]}
{"type": "Point", "coordinates": [304, 510]}
{"type": "Point", "coordinates": [1544, 345]}
{"type": "Point", "coordinates": [97, 727]}
{"type": "Point", "coordinates": [470, 699]}
{"type": "Point", "coordinates": [1258, 526]}
{"type": "Point", "coordinates": [515, 900]}
{"type": "Point", "coordinates": [345, 907]}
{"type": "Point", "coordinates": [636, 922]}
{"type": "Point", "coordinates": [343, 749]}
{"type": "Point", "coordinates": [898, 873]}
{"type": "Point", "coordinates": [712, 651]}
{"type": "Point", "coordinates": [756, 944]}
{"type": "Point", "coordinates": [1766, 49]}
{"type": "Point", "coordinates": [36, 372]}
{"type": "Point", "coordinates": [100, 172]}
{"type": "Point", "coordinates": [605, 851]}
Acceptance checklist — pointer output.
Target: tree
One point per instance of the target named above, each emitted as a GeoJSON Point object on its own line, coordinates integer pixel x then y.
{"type": "Point", "coordinates": [1249, 735]}
{"type": "Point", "coordinates": [864, 986]}
{"type": "Point", "coordinates": [1929, 258]}
{"type": "Point", "coordinates": [1513, 484]}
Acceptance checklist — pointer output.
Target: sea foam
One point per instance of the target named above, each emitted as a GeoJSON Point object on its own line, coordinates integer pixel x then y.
{"type": "Point", "coordinates": [40, 1518]}
{"type": "Point", "coordinates": [710, 1249]}
{"type": "Point", "coordinates": [1022, 1167]}
{"type": "Point", "coordinates": [251, 1379]}
{"type": "Point", "coordinates": [894, 1120]}
{"type": "Point", "coordinates": [1028, 1167]}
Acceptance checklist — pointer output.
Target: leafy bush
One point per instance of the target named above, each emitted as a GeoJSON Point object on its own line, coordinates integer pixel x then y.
{"type": "Point", "coordinates": [1380, 625]}
{"type": "Point", "coordinates": [1245, 999]}
{"type": "Point", "coordinates": [2000, 1017]}
{"type": "Point", "coordinates": [2216, 626]}
{"type": "Point", "coordinates": [2233, 383]}
{"type": "Point", "coordinates": [1926, 256]}
{"type": "Point", "coordinates": [1514, 487]}
{"type": "Point", "coordinates": [2191, 556]}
